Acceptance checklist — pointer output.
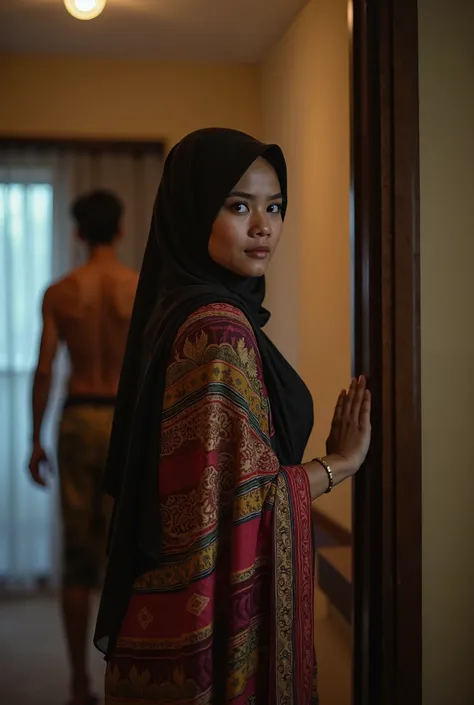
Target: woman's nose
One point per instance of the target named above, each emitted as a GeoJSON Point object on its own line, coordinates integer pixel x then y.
{"type": "Point", "coordinates": [260, 226]}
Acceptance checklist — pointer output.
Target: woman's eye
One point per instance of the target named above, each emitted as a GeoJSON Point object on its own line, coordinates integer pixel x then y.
{"type": "Point", "coordinates": [275, 208]}
{"type": "Point", "coordinates": [239, 207]}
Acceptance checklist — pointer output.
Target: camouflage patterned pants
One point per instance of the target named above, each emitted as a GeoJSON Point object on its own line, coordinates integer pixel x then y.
{"type": "Point", "coordinates": [82, 451]}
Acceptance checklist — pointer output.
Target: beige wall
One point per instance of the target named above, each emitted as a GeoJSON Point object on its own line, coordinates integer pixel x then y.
{"type": "Point", "coordinates": [305, 88]}
{"type": "Point", "coordinates": [96, 97]}
{"type": "Point", "coordinates": [446, 63]}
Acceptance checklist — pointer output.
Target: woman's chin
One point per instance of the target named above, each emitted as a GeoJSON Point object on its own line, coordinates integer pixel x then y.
{"type": "Point", "coordinates": [246, 268]}
{"type": "Point", "coordinates": [255, 269]}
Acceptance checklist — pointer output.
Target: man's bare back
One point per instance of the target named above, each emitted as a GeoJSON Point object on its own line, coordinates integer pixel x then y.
{"type": "Point", "coordinates": [91, 309]}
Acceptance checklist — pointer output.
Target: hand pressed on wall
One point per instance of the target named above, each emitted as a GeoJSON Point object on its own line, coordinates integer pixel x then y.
{"type": "Point", "coordinates": [351, 430]}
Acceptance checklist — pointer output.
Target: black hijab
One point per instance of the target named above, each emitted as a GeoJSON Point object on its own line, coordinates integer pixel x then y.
{"type": "Point", "coordinates": [178, 277]}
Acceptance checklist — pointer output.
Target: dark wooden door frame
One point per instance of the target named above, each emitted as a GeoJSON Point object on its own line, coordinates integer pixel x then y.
{"type": "Point", "coordinates": [387, 494]}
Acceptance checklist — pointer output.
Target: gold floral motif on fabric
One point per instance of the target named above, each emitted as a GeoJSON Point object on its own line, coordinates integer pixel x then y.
{"type": "Point", "coordinates": [197, 604]}
{"type": "Point", "coordinates": [186, 516]}
{"type": "Point", "coordinates": [284, 594]}
{"type": "Point", "coordinates": [162, 644]}
{"type": "Point", "coordinates": [216, 370]}
{"type": "Point", "coordinates": [138, 685]}
{"type": "Point", "coordinates": [178, 575]}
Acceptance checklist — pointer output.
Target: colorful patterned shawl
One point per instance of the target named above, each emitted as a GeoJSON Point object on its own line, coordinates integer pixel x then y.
{"type": "Point", "coordinates": [227, 615]}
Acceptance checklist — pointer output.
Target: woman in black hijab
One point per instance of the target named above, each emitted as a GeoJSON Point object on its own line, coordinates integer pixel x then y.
{"type": "Point", "coordinates": [208, 596]}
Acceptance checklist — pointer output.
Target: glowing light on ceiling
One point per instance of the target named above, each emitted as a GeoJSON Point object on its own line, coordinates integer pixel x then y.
{"type": "Point", "coordinates": [84, 9]}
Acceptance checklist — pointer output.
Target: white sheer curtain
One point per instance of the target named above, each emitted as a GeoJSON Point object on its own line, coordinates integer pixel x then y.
{"type": "Point", "coordinates": [37, 247]}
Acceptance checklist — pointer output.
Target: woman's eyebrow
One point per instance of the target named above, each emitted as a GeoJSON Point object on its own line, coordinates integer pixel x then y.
{"type": "Point", "coordinates": [249, 196]}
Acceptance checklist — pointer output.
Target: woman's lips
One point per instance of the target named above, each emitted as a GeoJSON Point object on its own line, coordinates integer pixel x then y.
{"type": "Point", "coordinates": [258, 253]}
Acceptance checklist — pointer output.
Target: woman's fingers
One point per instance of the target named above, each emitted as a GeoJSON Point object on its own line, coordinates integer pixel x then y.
{"type": "Point", "coordinates": [358, 398]}
{"type": "Point", "coordinates": [364, 417]}
{"type": "Point", "coordinates": [338, 411]}
{"type": "Point", "coordinates": [349, 399]}
{"type": "Point", "coordinates": [355, 405]}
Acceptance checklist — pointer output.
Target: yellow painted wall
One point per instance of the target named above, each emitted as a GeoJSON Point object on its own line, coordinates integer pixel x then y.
{"type": "Point", "coordinates": [116, 98]}
{"type": "Point", "coordinates": [305, 89]}
{"type": "Point", "coordinates": [446, 64]}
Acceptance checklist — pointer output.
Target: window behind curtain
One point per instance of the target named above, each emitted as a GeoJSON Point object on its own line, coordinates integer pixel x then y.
{"type": "Point", "coordinates": [26, 244]}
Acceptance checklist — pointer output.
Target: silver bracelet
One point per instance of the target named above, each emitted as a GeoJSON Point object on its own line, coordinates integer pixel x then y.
{"type": "Point", "coordinates": [322, 462]}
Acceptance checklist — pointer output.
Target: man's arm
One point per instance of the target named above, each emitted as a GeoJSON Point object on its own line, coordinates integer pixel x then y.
{"type": "Point", "coordinates": [42, 382]}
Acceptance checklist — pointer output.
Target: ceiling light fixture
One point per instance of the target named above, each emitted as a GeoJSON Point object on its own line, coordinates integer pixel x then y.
{"type": "Point", "coordinates": [85, 9]}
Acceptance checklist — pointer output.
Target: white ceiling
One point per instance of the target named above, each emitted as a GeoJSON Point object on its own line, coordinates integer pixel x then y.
{"type": "Point", "coordinates": [234, 30]}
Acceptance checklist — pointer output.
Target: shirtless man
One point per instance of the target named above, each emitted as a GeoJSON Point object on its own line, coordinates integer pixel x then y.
{"type": "Point", "coordinates": [89, 311]}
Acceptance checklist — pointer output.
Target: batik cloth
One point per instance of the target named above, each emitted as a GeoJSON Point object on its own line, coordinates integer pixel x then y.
{"type": "Point", "coordinates": [227, 614]}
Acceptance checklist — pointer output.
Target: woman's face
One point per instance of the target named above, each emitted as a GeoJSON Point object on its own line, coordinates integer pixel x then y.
{"type": "Point", "coordinates": [248, 227]}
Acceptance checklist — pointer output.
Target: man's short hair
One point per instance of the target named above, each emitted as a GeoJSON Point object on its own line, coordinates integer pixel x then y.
{"type": "Point", "coordinates": [97, 215]}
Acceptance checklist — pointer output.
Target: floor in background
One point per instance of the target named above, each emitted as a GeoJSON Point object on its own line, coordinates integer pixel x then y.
{"type": "Point", "coordinates": [33, 668]}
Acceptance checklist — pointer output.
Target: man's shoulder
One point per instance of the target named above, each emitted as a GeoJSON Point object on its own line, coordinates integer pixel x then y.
{"type": "Point", "coordinates": [129, 275]}
{"type": "Point", "coordinates": [85, 272]}
{"type": "Point", "coordinates": [60, 286]}
{"type": "Point", "coordinates": [54, 292]}
{"type": "Point", "coordinates": [66, 280]}
{"type": "Point", "coordinates": [63, 292]}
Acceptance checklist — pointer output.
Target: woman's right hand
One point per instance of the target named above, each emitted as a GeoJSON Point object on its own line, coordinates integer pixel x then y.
{"type": "Point", "coordinates": [350, 433]}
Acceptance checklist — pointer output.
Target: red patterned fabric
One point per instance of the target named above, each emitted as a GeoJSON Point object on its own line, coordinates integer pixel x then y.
{"type": "Point", "coordinates": [227, 616]}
